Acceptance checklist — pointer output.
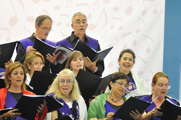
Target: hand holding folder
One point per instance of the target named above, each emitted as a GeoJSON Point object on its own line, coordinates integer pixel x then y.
{"type": "Point", "coordinates": [87, 51]}
{"type": "Point", "coordinates": [170, 110]}
{"type": "Point", "coordinates": [131, 104]}
{"type": "Point", "coordinates": [28, 105]}
{"type": "Point", "coordinates": [45, 48]}
{"type": "Point", "coordinates": [41, 81]}
{"type": "Point", "coordinates": [2, 111]}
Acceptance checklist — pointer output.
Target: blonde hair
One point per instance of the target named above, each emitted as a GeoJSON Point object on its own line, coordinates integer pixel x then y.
{"type": "Point", "coordinates": [31, 56]}
{"type": "Point", "coordinates": [75, 54]}
{"type": "Point", "coordinates": [9, 70]}
{"type": "Point", "coordinates": [74, 94]}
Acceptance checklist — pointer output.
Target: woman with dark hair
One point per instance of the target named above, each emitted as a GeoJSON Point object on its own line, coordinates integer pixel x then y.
{"type": "Point", "coordinates": [105, 105]}
{"type": "Point", "coordinates": [126, 61]}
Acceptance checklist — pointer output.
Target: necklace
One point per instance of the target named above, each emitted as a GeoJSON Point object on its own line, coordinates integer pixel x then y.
{"type": "Point", "coordinates": [114, 99]}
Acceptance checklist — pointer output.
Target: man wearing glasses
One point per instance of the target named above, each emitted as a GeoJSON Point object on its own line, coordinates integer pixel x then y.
{"type": "Point", "coordinates": [79, 24]}
{"type": "Point", "coordinates": [43, 25]}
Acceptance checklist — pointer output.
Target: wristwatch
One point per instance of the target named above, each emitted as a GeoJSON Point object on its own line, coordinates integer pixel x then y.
{"type": "Point", "coordinates": [95, 70]}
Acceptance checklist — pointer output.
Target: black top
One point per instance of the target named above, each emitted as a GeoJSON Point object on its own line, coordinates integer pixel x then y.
{"type": "Point", "coordinates": [17, 96]}
{"type": "Point", "coordinates": [21, 54]}
{"type": "Point", "coordinates": [73, 109]}
{"type": "Point", "coordinates": [114, 106]}
{"type": "Point", "coordinates": [73, 40]}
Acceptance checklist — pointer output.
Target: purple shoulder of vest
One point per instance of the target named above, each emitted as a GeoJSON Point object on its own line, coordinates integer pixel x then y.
{"type": "Point", "coordinates": [26, 42]}
{"type": "Point", "coordinates": [146, 98]}
{"type": "Point", "coordinates": [51, 43]}
{"type": "Point", "coordinates": [174, 101]}
{"type": "Point", "coordinates": [93, 43]}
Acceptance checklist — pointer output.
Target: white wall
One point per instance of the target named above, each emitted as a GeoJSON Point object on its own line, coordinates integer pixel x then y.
{"type": "Point", "coordinates": [135, 24]}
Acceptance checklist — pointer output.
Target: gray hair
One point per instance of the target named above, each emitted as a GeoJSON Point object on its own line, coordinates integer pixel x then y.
{"type": "Point", "coordinates": [74, 94]}
{"type": "Point", "coordinates": [78, 14]}
{"type": "Point", "coordinates": [39, 20]}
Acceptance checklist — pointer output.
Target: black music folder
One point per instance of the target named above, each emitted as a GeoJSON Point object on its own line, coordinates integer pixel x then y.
{"type": "Point", "coordinates": [52, 104]}
{"type": "Point", "coordinates": [103, 85]}
{"type": "Point", "coordinates": [64, 118]}
{"type": "Point", "coordinates": [2, 111]}
{"type": "Point", "coordinates": [89, 52]}
{"type": "Point", "coordinates": [6, 52]}
{"type": "Point", "coordinates": [130, 105]}
{"type": "Point", "coordinates": [2, 83]}
{"type": "Point", "coordinates": [45, 48]}
{"type": "Point", "coordinates": [28, 105]}
{"type": "Point", "coordinates": [41, 81]}
{"type": "Point", "coordinates": [88, 84]}
{"type": "Point", "coordinates": [170, 110]}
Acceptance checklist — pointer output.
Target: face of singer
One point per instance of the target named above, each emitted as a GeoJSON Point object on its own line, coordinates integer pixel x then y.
{"type": "Point", "coordinates": [16, 77]}
{"type": "Point", "coordinates": [126, 62]}
{"type": "Point", "coordinates": [44, 29]}
{"type": "Point", "coordinates": [77, 63]}
{"type": "Point", "coordinates": [36, 65]}
{"type": "Point", "coordinates": [65, 84]}
{"type": "Point", "coordinates": [79, 25]}
{"type": "Point", "coordinates": [160, 88]}
{"type": "Point", "coordinates": [118, 87]}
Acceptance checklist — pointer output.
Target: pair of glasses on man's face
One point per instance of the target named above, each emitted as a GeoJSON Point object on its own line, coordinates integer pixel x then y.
{"type": "Point", "coordinates": [122, 84]}
{"type": "Point", "coordinates": [46, 29]}
{"type": "Point", "coordinates": [66, 81]}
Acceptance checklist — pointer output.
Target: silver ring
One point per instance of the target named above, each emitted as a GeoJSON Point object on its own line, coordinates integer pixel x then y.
{"type": "Point", "coordinates": [13, 114]}
{"type": "Point", "coordinates": [156, 113]}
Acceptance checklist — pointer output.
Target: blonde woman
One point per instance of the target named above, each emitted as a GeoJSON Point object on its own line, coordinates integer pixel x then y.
{"type": "Point", "coordinates": [66, 90]}
{"type": "Point", "coordinates": [34, 61]}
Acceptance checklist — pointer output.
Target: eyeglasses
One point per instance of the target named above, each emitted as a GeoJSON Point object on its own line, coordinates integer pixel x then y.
{"type": "Point", "coordinates": [67, 81]}
{"type": "Point", "coordinates": [79, 22]}
{"type": "Point", "coordinates": [166, 86]}
{"type": "Point", "coordinates": [38, 64]}
{"type": "Point", "coordinates": [46, 29]}
{"type": "Point", "coordinates": [121, 84]}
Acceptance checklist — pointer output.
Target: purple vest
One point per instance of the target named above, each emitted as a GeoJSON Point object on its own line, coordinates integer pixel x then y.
{"type": "Point", "coordinates": [109, 109]}
{"type": "Point", "coordinates": [27, 42]}
{"type": "Point", "coordinates": [11, 102]}
{"type": "Point", "coordinates": [64, 111]}
{"type": "Point", "coordinates": [131, 86]}
{"type": "Point", "coordinates": [92, 43]}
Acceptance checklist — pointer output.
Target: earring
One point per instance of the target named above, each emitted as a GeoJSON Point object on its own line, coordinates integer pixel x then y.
{"type": "Point", "coordinates": [9, 81]}
{"type": "Point", "coordinates": [70, 68]}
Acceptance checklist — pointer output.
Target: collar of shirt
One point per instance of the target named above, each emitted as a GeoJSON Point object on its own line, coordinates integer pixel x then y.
{"type": "Point", "coordinates": [44, 40]}
{"type": "Point", "coordinates": [75, 38]}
